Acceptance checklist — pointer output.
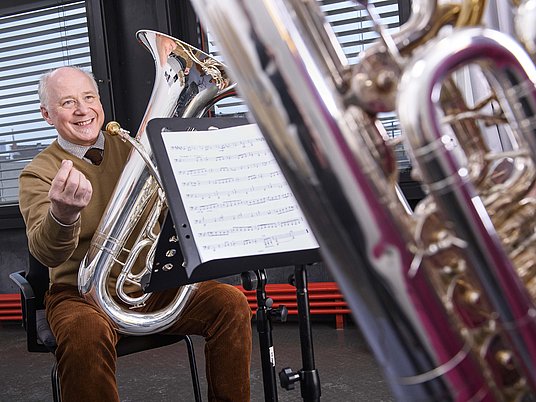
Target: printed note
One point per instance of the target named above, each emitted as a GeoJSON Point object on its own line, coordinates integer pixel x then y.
{"type": "Point", "coordinates": [235, 196]}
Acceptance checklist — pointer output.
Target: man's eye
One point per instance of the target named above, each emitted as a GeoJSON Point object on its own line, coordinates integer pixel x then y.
{"type": "Point", "coordinates": [68, 103]}
{"type": "Point", "coordinates": [90, 98]}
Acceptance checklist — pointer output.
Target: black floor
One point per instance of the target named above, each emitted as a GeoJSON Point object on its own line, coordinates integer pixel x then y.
{"type": "Point", "coordinates": [346, 368]}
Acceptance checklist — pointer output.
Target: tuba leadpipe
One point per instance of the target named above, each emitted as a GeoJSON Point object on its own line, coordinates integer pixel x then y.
{"type": "Point", "coordinates": [404, 282]}
{"type": "Point", "coordinates": [187, 83]}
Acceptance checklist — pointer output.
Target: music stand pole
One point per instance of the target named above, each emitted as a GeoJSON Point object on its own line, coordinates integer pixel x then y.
{"type": "Point", "coordinates": [264, 328]}
{"type": "Point", "coordinates": [308, 375]}
{"type": "Point", "coordinates": [310, 383]}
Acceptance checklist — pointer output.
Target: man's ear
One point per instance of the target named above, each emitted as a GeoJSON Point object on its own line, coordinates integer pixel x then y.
{"type": "Point", "coordinates": [46, 116]}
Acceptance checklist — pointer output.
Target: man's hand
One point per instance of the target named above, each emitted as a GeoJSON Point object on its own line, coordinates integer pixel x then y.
{"type": "Point", "coordinates": [69, 194]}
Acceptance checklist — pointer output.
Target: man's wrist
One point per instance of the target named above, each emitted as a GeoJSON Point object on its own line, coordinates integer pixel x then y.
{"type": "Point", "coordinates": [59, 222]}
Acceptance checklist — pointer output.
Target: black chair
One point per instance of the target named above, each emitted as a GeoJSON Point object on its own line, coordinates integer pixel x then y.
{"type": "Point", "coordinates": [39, 337]}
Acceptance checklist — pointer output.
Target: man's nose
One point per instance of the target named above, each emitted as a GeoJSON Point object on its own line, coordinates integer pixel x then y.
{"type": "Point", "coordinates": [82, 107]}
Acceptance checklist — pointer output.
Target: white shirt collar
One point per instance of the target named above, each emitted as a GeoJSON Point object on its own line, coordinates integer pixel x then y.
{"type": "Point", "coordinates": [80, 150]}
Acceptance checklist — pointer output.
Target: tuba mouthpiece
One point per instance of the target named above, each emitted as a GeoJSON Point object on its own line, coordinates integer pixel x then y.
{"type": "Point", "coordinates": [113, 128]}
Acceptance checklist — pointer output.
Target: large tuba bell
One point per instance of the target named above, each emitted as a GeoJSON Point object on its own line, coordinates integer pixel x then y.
{"type": "Point", "coordinates": [187, 83]}
{"type": "Point", "coordinates": [444, 294]}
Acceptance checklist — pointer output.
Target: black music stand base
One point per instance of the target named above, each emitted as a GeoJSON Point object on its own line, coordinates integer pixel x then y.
{"type": "Point", "coordinates": [308, 375]}
{"type": "Point", "coordinates": [264, 314]}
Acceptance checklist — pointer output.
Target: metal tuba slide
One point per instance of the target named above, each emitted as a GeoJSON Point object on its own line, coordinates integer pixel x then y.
{"type": "Point", "coordinates": [444, 293]}
{"type": "Point", "coordinates": [187, 83]}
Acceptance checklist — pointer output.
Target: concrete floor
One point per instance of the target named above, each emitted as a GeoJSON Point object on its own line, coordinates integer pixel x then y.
{"type": "Point", "coordinates": [347, 370]}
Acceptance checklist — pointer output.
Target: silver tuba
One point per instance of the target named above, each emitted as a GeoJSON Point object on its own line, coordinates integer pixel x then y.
{"type": "Point", "coordinates": [187, 83]}
{"type": "Point", "coordinates": [444, 294]}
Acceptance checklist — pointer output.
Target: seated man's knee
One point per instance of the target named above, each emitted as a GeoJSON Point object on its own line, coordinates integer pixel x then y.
{"type": "Point", "coordinates": [236, 303]}
{"type": "Point", "coordinates": [91, 330]}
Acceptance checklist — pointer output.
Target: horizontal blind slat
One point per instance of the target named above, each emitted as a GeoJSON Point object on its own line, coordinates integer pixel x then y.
{"type": "Point", "coordinates": [67, 56]}
{"type": "Point", "coordinates": [355, 33]}
{"type": "Point", "coordinates": [38, 43]}
{"type": "Point", "coordinates": [34, 26]}
{"type": "Point", "coordinates": [15, 19]}
{"type": "Point", "coordinates": [38, 72]}
{"type": "Point", "coordinates": [56, 30]}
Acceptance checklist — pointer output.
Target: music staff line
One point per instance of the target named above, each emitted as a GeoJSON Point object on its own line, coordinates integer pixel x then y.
{"type": "Point", "coordinates": [235, 191]}
{"type": "Point", "coordinates": [240, 216]}
{"type": "Point", "coordinates": [234, 203]}
{"type": "Point", "coordinates": [251, 228]}
{"type": "Point", "coordinates": [222, 169]}
{"type": "Point", "coordinates": [265, 242]}
{"type": "Point", "coordinates": [219, 147]}
{"type": "Point", "coordinates": [227, 180]}
{"type": "Point", "coordinates": [218, 158]}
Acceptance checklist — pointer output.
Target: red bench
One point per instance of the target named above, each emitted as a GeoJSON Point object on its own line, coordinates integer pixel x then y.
{"type": "Point", "coordinates": [324, 298]}
{"type": "Point", "coordinates": [10, 309]}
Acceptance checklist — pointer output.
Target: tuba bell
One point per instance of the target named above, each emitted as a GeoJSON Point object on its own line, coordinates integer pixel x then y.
{"type": "Point", "coordinates": [444, 294]}
{"type": "Point", "coordinates": [187, 83]}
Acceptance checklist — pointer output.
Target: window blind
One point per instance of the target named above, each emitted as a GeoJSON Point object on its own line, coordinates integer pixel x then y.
{"type": "Point", "coordinates": [33, 43]}
{"type": "Point", "coordinates": [355, 33]}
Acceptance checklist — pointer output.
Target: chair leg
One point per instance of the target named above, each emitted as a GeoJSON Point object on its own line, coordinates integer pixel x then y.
{"type": "Point", "coordinates": [193, 368]}
{"type": "Point", "coordinates": [56, 393]}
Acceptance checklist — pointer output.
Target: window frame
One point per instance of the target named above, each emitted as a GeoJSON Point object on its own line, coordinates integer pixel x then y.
{"type": "Point", "coordinates": [10, 216]}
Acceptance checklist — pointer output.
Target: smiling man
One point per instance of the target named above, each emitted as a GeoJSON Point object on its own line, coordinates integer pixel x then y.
{"type": "Point", "coordinates": [70, 102]}
{"type": "Point", "coordinates": [63, 194]}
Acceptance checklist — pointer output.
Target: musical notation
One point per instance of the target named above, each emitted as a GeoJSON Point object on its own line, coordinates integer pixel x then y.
{"type": "Point", "coordinates": [262, 243]}
{"type": "Point", "coordinates": [242, 143]}
{"type": "Point", "coordinates": [204, 171]}
{"type": "Point", "coordinates": [237, 201]}
{"type": "Point", "coordinates": [204, 221]}
{"type": "Point", "coordinates": [252, 228]}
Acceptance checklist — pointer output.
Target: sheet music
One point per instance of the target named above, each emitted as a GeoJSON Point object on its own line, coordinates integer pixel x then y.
{"type": "Point", "coordinates": [234, 193]}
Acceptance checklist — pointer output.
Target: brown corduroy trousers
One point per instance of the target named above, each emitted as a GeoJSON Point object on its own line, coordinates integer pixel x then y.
{"type": "Point", "coordinates": [86, 341]}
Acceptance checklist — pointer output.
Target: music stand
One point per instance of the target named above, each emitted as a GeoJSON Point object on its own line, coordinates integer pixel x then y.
{"type": "Point", "coordinates": [231, 209]}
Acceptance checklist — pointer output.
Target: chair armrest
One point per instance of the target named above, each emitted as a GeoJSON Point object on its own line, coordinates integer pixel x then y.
{"type": "Point", "coordinates": [27, 296]}
{"type": "Point", "coordinates": [20, 280]}
{"type": "Point", "coordinates": [29, 318]}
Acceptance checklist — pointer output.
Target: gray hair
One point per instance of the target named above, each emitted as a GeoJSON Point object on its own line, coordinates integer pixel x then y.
{"type": "Point", "coordinates": [42, 88]}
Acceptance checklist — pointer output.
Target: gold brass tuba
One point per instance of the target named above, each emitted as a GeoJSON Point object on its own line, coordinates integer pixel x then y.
{"type": "Point", "coordinates": [187, 83]}
{"type": "Point", "coordinates": [444, 294]}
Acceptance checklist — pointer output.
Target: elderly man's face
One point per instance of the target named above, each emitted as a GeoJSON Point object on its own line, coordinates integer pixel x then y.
{"type": "Point", "coordinates": [74, 106]}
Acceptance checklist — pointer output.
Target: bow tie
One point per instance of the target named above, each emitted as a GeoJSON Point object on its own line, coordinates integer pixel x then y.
{"type": "Point", "coordinates": [94, 155]}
